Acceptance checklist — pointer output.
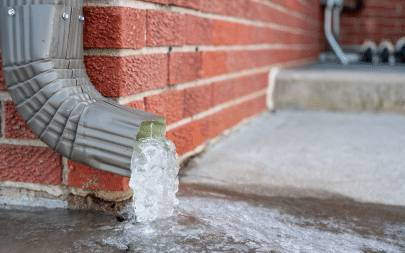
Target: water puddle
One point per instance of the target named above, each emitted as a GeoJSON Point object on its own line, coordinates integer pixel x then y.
{"type": "Point", "coordinates": [210, 220]}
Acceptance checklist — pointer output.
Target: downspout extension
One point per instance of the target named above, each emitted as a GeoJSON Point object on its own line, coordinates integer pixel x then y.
{"type": "Point", "coordinates": [42, 56]}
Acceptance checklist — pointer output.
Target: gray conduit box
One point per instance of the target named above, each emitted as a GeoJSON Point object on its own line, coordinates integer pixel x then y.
{"type": "Point", "coordinates": [42, 56]}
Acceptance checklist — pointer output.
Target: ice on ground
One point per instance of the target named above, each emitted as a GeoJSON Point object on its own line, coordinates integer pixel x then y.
{"type": "Point", "coordinates": [154, 178]}
{"type": "Point", "coordinates": [220, 225]}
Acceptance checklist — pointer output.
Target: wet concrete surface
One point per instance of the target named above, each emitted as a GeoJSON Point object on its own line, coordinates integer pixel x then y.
{"type": "Point", "coordinates": [213, 220]}
{"type": "Point", "coordinates": [310, 154]}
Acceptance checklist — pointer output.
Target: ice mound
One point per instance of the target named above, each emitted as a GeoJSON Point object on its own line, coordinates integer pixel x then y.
{"type": "Point", "coordinates": [154, 178]}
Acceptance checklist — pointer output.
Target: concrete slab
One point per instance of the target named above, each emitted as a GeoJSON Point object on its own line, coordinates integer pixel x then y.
{"type": "Point", "coordinates": [310, 153]}
{"type": "Point", "coordinates": [336, 87]}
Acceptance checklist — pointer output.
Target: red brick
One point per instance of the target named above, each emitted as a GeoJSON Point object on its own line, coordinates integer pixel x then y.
{"type": "Point", "coordinates": [378, 20]}
{"type": "Point", "coordinates": [184, 67]}
{"type": "Point", "coordinates": [123, 76]}
{"type": "Point", "coordinates": [262, 35]}
{"type": "Point", "coordinates": [260, 11]}
{"type": "Point", "coordinates": [169, 105]}
{"type": "Point", "coordinates": [165, 28]}
{"type": "Point", "coordinates": [247, 109]}
{"type": "Point", "coordinates": [224, 91]}
{"type": "Point", "coordinates": [230, 33]}
{"type": "Point", "coordinates": [137, 105]}
{"type": "Point", "coordinates": [3, 86]}
{"type": "Point", "coordinates": [213, 6]}
{"type": "Point", "coordinates": [193, 4]}
{"type": "Point", "coordinates": [254, 106]}
{"type": "Point", "coordinates": [158, 1]}
{"type": "Point", "coordinates": [186, 137]}
{"type": "Point", "coordinates": [200, 31]}
{"type": "Point", "coordinates": [221, 62]}
{"type": "Point", "coordinates": [81, 176]}
{"type": "Point", "coordinates": [213, 125]}
{"type": "Point", "coordinates": [213, 63]}
{"type": "Point", "coordinates": [235, 88]}
{"type": "Point", "coordinates": [15, 126]}
{"type": "Point", "coordinates": [235, 8]}
{"type": "Point", "coordinates": [232, 116]}
{"type": "Point", "coordinates": [240, 60]}
{"type": "Point", "coordinates": [114, 27]}
{"type": "Point", "coordinates": [197, 99]}
{"type": "Point", "coordinates": [38, 165]}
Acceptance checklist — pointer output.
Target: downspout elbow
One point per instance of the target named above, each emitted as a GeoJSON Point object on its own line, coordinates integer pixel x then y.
{"type": "Point", "coordinates": [42, 57]}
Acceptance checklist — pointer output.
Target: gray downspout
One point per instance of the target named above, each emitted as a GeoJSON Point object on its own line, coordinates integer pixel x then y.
{"type": "Point", "coordinates": [42, 56]}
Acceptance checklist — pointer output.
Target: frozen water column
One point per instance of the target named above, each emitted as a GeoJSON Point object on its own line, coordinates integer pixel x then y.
{"type": "Point", "coordinates": [42, 56]}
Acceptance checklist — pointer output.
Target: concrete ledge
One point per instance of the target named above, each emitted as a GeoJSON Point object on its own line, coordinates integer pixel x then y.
{"type": "Point", "coordinates": [25, 197]}
{"type": "Point", "coordinates": [53, 196]}
{"type": "Point", "coordinates": [340, 90]}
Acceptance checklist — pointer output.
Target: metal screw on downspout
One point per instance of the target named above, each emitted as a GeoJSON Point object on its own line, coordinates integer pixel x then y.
{"type": "Point", "coordinates": [65, 16]}
{"type": "Point", "coordinates": [81, 18]}
{"type": "Point", "coordinates": [11, 12]}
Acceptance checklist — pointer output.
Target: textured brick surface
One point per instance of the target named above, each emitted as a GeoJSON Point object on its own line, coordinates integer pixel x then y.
{"type": "Point", "coordinates": [221, 62]}
{"type": "Point", "coordinates": [215, 124]}
{"type": "Point", "coordinates": [3, 86]}
{"type": "Point", "coordinates": [158, 1]}
{"type": "Point", "coordinates": [114, 27]}
{"type": "Point", "coordinates": [81, 176]}
{"type": "Point", "coordinates": [186, 137]}
{"type": "Point", "coordinates": [197, 99]}
{"type": "Point", "coordinates": [137, 105]}
{"type": "Point", "coordinates": [229, 33]}
{"type": "Point", "coordinates": [240, 60]}
{"type": "Point", "coordinates": [189, 136]}
{"type": "Point", "coordinates": [200, 31]}
{"type": "Point", "coordinates": [214, 6]}
{"type": "Point", "coordinates": [123, 76]}
{"type": "Point", "coordinates": [169, 105]}
{"type": "Point", "coordinates": [236, 8]}
{"type": "Point", "coordinates": [234, 88]}
{"type": "Point", "coordinates": [213, 63]}
{"type": "Point", "coordinates": [184, 67]}
{"type": "Point", "coordinates": [165, 28]}
{"type": "Point", "coordinates": [30, 164]}
{"type": "Point", "coordinates": [378, 20]}
{"type": "Point", "coordinates": [15, 126]}
{"type": "Point", "coordinates": [193, 4]}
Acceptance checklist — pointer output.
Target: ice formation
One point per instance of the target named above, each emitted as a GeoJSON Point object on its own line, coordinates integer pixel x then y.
{"type": "Point", "coordinates": [220, 224]}
{"type": "Point", "coordinates": [154, 178]}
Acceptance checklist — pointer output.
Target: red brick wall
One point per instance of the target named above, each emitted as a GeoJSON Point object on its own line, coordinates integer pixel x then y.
{"type": "Point", "coordinates": [203, 64]}
{"type": "Point", "coordinates": [379, 20]}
